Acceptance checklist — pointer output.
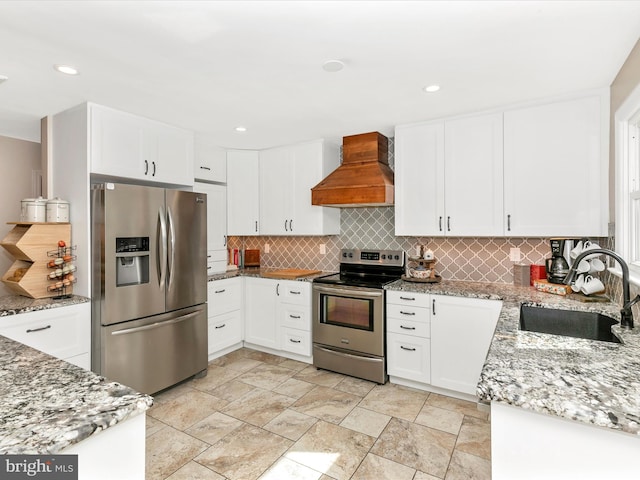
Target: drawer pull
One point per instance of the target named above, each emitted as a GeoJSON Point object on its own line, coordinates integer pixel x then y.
{"type": "Point", "coordinates": [408, 298]}
{"type": "Point", "coordinates": [407, 328]}
{"type": "Point", "coordinates": [221, 291]}
{"type": "Point", "coordinates": [294, 316]}
{"type": "Point", "coordinates": [204, 168]}
{"type": "Point", "coordinates": [294, 341]}
{"type": "Point", "coordinates": [292, 292]}
{"type": "Point", "coordinates": [407, 348]}
{"type": "Point", "coordinates": [221, 326]}
{"type": "Point", "coordinates": [407, 313]}
{"type": "Point", "coordinates": [31, 330]}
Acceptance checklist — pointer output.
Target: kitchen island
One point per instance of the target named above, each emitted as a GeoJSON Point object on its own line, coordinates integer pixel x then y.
{"type": "Point", "coordinates": [50, 406]}
{"type": "Point", "coordinates": [561, 407]}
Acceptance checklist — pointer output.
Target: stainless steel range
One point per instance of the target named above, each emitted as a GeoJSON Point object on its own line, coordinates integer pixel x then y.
{"type": "Point", "coordinates": [349, 313]}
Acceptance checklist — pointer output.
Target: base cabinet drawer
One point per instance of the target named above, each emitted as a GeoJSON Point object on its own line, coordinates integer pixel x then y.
{"type": "Point", "coordinates": [224, 330]}
{"type": "Point", "coordinates": [296, 341]}
{"type": "Point", "coordinates": [295, 316]}
{"type": "Point", "coordinates": [409, 357]}
{"type": "Point", "coordinates": [408, 327]}
{"type": "Point", "coordinates": [224, 296]}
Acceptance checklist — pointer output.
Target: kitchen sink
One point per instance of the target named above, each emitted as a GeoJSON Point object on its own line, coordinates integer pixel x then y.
{"type": "Point", "coordinates": [570, 323]}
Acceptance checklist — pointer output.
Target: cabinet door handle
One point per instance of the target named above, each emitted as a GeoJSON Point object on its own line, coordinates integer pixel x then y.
{"type": "Point", "coordinates": [448, 224]}
{"type": "Point", "coordinates": [407, 348]}
{"type": "Point", "coordinates": [154, 169]}
{"type": "Point", "coordinates": [221, 291]}
{"type": "Point", "coordinates": [291, 225]}
{"type": "Point", "coordinates": [294, 316]}
{"type": "Point", "coordinates": [411, 299]}
{"type": "Point", "coordinates": [256, 225]}
{"type": "Point", "coordinates": [204, 168]}
{"type": "Point", "coordinates": [407, 328]}
{"type": "Point", "coordinates": [407, 313]}
{"type": "Point", "coordinates": [278, 289]}
{"type": "Point", "coordinates": [208, 256]}
{"type": "Point", "coordinates": [433, 306]}
{"type": "Point", "coordinates": [209, 268]}
{"type": "Point", "coordinates": [294, 341]}
{"type": "Point", "coordinates": [146, 167]}
{"type": "Point", "coordinates": [221, 326]}
{"type": "Point", "coordinates": [285, 226]}
{"type": "Point", "coordinates": [440, 223]}
{"type": "Point", "coordinates": [31, 330]}
{"type": "Point", "coordinates": [224, 240]}
{"type": "Point", "coordinates": [509, 223]}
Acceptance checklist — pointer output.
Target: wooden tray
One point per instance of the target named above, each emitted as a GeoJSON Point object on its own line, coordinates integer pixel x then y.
{"type": "Point", "coordinates": [436, 279]}
{"type": "Point", "coordinates": [290, 273]}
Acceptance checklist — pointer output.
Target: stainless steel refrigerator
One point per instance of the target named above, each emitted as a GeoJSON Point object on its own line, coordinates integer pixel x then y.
{"type": "Point", "coordinates": [149, 285]}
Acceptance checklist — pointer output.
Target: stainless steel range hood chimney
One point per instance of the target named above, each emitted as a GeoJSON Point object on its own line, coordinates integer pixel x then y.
{"type": "Point", "coordinates": [364, 178]}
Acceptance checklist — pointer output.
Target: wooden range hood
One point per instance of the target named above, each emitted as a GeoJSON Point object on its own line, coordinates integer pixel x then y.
{"type": "Point", "coordinates": [364, 179]}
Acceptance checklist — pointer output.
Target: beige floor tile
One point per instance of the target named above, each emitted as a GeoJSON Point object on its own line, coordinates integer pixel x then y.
{"type": "Point", "coordinates": [294, 388]}
{"type": "Point", "coordinates": [236, 354]}
{"type": "Point", "coordinates": [416, 446]}
{"type": "Point", "coordinates": [266, 376]}
{"type": "Point", "coordinates": [232, 390]}
{"type": "Point", "coordinates": [169, 449]}
{"type": "Point", "coordinates": [213, 428]}
{"type": "Point", "coordinates": [327, 404]}
{"type": "Point", "coordinates": [475, 437]}
{"type": "Point", "coordinates": [331, 449]}
{"type": "Point", "coordinates": [241, 363]}
{"type": "Point", "coordinates": [216, 376]}
{"type": "Point", "coordinates": [265, 357]}
{"type": "Point", "coordinates": [187, 409]}
{"type": "Point", "coordinates": [374, 467]}
{"type": "Point", "coordinates": [462, 406]}
{"type": "Point", "coordinates": [153, 425]}
{"type": "Point", "coordinates": [258, 407]}
{"type": "Point", "coordinates": [465, 466]}
{"type": "Point", "coordinates": [366, 421]}
{"type": "Point", "coordinates": [424, 476]}
{"type": "Point", "coordinates": [294, 365]}
{"type": "Point", "coordinates": [441, 419]}
{"type": "Point", "coordinates": [356, 386]}
{"type": "Point", "coordinates": [195, 471]}
{"type": "Point", "coordinates": [171, 393]}
{"type": "Point", "coordinates": [245, 453]}
{"type": "Point", "coordinates": [396, 401]}
{"type": "Point", "coordinates": [291, 424]}
{"type": "Point", "coordinates": [285, 469]}
{"type": "Point", "coordinates": [320, 377]}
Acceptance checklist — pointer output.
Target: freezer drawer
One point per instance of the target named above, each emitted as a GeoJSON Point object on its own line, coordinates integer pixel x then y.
{"type": "Point", "coordinates": [156, 352]}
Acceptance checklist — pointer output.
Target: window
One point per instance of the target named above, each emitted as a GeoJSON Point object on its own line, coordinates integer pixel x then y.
{"type": "Point", "coordinates": [627, 183]}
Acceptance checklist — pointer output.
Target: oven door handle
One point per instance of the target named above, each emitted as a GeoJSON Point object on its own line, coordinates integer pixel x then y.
{"type": "Point", "coordinates": [348, 291]}
{"type": "Point", "coordinates": [343, 353]}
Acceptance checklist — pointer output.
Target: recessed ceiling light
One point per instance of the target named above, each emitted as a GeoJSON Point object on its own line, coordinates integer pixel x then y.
{"type": "Point", "coordinates": [431, 88]}
{"type": "Point", "coordinates": [332, 66]}
{"type": "Point", "coordinates": [241, 129]}
{"type": "Point", "coordinates": [3, 78]}
{"type": "Point", "coordinates": [66, 69]}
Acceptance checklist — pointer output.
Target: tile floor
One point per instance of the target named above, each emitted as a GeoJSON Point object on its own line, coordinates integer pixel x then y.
{"type": "Point", "coordinates": [260, 416]}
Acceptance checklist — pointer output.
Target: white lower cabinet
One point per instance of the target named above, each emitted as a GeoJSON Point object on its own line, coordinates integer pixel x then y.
{"type": "Point", "coordinates": [64, 332]}
{"type": "Point", "coordinates": [224, 298]}
{"type": "Point", "coordinates": [461, 333]}
{"type": "Point", "coordinates": [261, 322]}
{"type": "Point", "coordinates": [294, 315]}
{"type": "Point", "coordinates": [439, 342]}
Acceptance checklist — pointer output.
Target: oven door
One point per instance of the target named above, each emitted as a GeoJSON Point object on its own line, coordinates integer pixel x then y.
{"type": "Point", "coordinates": [350, 318]}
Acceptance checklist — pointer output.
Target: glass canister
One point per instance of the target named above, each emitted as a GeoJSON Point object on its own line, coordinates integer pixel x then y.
{"type": "Point", "coordinates": [57, 210]}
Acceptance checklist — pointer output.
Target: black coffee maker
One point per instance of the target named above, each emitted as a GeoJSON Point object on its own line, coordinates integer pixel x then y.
{"type": "Point", "coordinates": [557, 266]}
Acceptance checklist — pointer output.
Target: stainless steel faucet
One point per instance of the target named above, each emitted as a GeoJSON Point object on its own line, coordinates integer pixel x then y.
{"type": "Point", "coordinates": [626, 315]}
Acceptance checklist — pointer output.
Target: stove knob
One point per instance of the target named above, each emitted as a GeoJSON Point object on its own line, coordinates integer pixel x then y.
{"type": "Point", "coordinates": [344, 254]}
{"type": "Point", "coordinates": [397, 257]}
{"type": "Point", "coordinates": [384, 256]}
{"type": "Point", "coordinates": [350, 255]}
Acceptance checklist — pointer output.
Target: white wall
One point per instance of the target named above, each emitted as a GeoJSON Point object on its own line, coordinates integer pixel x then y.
{"type": "Point", "coordinates": [18, 160]}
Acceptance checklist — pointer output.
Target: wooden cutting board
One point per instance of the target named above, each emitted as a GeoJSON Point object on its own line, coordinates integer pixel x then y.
{"type": "Point", "coordinates": [290, 273]}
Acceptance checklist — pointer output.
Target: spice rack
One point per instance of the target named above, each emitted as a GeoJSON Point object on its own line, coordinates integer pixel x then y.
{"type": "Point", "coordinates": [62, 270]}
{"type": "Point", "coordinates": [30, 243]}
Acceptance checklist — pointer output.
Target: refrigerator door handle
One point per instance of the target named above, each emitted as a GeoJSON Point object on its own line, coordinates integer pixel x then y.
{"type": "Point", "coordinates": [171, 247]}
{"type": "Point", "coordinates": [161, 252]}
{"type": "Point", "coordinates": [155, 325]}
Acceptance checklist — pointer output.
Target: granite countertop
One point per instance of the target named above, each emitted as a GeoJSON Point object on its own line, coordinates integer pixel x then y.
{"type": "Point", "coordinates": [258, 272]}
{"type": "Point", "coordinates": [49, 404]}
{"type": "Point", "coordinates": [593, 382]}
{"type": "Point", "coordinates": [15, 304]}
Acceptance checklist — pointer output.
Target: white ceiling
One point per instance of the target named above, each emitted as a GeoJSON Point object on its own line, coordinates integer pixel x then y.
{"type": "Point", "coordinates": [210, 66]}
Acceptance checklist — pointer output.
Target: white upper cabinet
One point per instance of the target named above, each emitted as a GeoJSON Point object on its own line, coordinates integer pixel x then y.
{"type": "Point", "coordinates": [210, 161]}
{"type": "Point", "coordinates": [123, 145]}
{"type": "Point", "coordinates": [287, 175]}
{"type": "Point", "coordinates": [473, 176]}
{"type": "Point", "coordinates": [449, 177]}
{"type": "Point", "coordinates": [243, 186]}
{"type": "Point", "coordinates": [216, 225]}
{"type": "Point", "coordinates": [555, 161]}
